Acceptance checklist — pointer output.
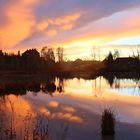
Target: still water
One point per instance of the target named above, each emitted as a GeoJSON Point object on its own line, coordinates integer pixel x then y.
{"type": "Point", "coordinates": [72, 111]}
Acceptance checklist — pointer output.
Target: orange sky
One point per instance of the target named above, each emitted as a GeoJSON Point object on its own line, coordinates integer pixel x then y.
{"type": "Point", "coordinates": [78, 26]}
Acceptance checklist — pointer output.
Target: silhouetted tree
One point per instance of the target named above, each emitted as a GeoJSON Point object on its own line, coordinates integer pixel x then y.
{"type": "Point", "coordinates": [136, 55]}
{"type": "Point", "coordinates": [109, 58]}
{"type": "Point", "coordinates": [31, 54]}
{"type": "Point", "coordinates": [48, 54]}
{"type": "Point", "coordinates": [31, 59]}
{"type": "Point", "coordinates": [1, 59]}
{"type": "Point", "coordinates": [43, 52]}
{"type": "Point", "coordinates": [109, 62]}
{"type": "Point", "coordinates": [60, 54]}
{"type": "Point", "coordinates": [116, 54]}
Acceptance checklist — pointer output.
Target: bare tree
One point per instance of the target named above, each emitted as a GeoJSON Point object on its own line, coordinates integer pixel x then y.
{"type": "Point", "coordinates": [136, 54]}
{"type": "Point", "coordinates": [93, 51]}
{"type": "Point", "coordinates": [116, 54]}
{"type": "Point", "coordinates": [60, 54]}
{"type": "Point", "coordinates": [48, 54]}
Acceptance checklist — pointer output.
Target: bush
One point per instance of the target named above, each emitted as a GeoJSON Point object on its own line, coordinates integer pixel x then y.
{"type": "Point", "coordinates": [108, 122]}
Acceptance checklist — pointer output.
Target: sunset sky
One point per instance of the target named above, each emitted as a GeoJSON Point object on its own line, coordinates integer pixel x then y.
{"type": "Point", "coordinates": [76, 25]}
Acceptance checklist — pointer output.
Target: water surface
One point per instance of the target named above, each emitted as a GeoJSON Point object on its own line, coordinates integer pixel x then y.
{"type": "Point", "coordinates": [72, 111]}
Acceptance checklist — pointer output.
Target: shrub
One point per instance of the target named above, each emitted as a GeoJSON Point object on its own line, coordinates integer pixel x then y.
{"type": "Point", "coordinates": [108, 122]}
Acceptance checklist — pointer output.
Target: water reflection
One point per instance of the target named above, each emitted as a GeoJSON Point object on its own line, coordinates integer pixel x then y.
{"type": "Point", "coordinates": [108, 138]}
{"type": "Point", "coordinates": [20, 119]}
{"type": "Point", "coordinates": [21, 88]}
{"type": "Point", "coordinates": [68, 101]}
{"type": "Point", "coordinates": [94, 86]}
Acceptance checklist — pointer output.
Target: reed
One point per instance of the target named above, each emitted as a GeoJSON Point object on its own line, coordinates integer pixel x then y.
{"type": "Point", "coordinates": [108, 122]}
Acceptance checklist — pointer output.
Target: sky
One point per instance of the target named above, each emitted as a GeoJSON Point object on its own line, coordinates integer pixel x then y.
{"type": "Point", "coordinates": [80, 26]}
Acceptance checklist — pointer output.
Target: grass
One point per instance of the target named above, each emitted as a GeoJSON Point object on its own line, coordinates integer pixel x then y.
{"type": "Point", "coordinates": [35, 126]}
{"type": "Point", "coordinates": [108, 122]}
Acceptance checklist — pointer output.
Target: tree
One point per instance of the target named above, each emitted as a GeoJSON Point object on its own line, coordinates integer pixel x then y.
{"type": "Point", "coordinates": [136, 54]}
{"type": "Point", "coordinates": [48, 54]}
{"type": "Point", "coordinates": [109, 57]}
{"type": "Point", "coordinates": [31, 59]}
{"type": "Point", "coordinates": [60, 54]}
{"type": "Point", "coordinates": [93, 51]}
{"type": "Point", "coordinates": [43, 52]}
{"type": "Point", "coordinates": [116, 54]}
{"type": "Point", "coordinates": [31, 54]}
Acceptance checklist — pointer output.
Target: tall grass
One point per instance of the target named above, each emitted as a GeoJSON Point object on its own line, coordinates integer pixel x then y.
{"type": "Point", "coordinates": [108, 122]}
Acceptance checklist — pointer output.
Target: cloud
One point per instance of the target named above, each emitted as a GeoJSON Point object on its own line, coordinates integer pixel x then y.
{"type": "Point", "coordinates": [28, 23]}
{"type": "Point", "coordinates": [90, 10]}
{"type": "Point", "coordinates": [53, 104]}
{"type": "Point", "coordinates": [41, 26]}
{"type": "Point", "coordinates": [51, 32]}
{"type": "Point", "coordinates": [52, 26]}
{"type": "Point", "coordinates": [3, 7]}
{"type": "Point", "coordinates": [18, 22]}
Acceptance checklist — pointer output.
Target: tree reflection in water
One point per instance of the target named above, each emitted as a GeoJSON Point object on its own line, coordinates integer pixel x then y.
{"type": "Point", "coordinates": [108, 138]}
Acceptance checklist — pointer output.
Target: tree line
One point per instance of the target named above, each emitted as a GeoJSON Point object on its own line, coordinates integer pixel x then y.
{"type": "Point", "coordinates": [31, 59]}
{"type": "Point", "coordinates": [49, 61]}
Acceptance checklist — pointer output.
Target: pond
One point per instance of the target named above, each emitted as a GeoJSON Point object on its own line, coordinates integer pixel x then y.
{"type": "Point", "coordinates": [70, 109]}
